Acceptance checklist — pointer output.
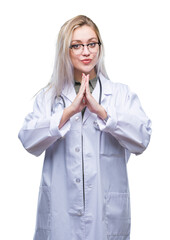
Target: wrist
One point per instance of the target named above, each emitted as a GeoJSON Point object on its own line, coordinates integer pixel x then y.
{"type": "Point", "coordinates": [101, 112]}
{"type": "Point", "coordinates": [71, 110]}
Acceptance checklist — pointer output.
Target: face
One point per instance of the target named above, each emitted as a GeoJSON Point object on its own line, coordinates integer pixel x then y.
{"type": "Point", "coordinates": [85, 61]}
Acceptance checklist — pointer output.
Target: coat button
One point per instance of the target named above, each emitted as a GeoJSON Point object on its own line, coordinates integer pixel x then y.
{"type": "Point", "coordinates": [95, 123]}
{"type": "Point", "coordinates": [78, 180]}
{"type": "Point", "coordinates": [80, 212]}
{"type": "Point", "coordinates": [77, 149]}
{"type": "Point", "coordinates": [77, 118]}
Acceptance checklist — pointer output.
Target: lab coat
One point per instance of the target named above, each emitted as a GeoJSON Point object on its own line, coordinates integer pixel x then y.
{"type": "Point", "coordinates": [84, 192]}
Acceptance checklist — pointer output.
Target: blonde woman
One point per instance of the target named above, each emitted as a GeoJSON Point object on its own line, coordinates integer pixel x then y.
{"type": "Point", "coordinates": [88, 126]}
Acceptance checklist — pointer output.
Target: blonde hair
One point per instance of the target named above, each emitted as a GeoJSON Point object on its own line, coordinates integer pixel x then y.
{"type": "Point", "coordinates": [63, 72]}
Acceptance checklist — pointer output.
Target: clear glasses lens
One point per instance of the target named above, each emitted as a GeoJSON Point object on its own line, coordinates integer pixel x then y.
{"type": "Point", "coordinates": [78, 48]}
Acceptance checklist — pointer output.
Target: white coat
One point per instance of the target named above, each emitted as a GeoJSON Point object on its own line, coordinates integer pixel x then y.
{"type": "Point", "coordinates": [84, 193]}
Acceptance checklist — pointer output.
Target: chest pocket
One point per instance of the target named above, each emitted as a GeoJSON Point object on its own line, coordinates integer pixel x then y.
{"type": "Point", "coordinates": [109, 146]}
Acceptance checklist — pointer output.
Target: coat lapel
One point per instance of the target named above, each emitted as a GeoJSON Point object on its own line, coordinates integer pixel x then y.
{"type": "Point", "coordinates": [69, 93]}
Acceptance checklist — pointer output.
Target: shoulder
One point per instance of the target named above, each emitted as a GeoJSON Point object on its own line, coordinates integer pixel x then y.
{"type": "Point", "coordinates": [115, 87]}
{"type": "Point", "coordinates": [45, 96]}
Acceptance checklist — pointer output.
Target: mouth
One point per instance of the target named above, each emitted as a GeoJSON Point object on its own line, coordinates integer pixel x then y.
{"type": "Point", "coordinates": [86, 61]}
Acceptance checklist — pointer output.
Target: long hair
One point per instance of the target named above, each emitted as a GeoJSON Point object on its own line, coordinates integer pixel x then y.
{"type": "Point", "coordinates": [63, 72]}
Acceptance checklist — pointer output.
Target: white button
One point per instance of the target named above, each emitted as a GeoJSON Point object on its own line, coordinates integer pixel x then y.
{"type": "Point", "coordinates": [77, 118]}
{"type": "Point", "coordinates": [80, 212]}
{"type": "Point", "coordinates": [77, 149]}
{"type": "Point", "coordinates": [95, 123]}
{"type": "Point", "coordinates": [78, 180]}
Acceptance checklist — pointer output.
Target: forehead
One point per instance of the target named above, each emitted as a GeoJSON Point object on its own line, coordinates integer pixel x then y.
{"type": "Point", "coordinates": [83, 33]}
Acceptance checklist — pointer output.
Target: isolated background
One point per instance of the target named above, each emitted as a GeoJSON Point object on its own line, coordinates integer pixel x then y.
{"type": "Point", "coordinates": [137, 42]}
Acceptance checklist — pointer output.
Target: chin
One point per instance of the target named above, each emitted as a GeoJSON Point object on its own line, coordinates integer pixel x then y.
{"type": "Point", "coordinates": [87, 70]}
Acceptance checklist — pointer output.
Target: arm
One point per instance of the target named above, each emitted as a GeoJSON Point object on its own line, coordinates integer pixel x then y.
{"type": "Point", "coordinates": [127, 121]}
{"type": "Point", "coordinates": [77, 105]}
{"type": "Point", "coordinates": [40, 128]}
{"type": "Point", "coordinates": [70, 111]}
{"type": "Point", "coordinates": [67, 114]}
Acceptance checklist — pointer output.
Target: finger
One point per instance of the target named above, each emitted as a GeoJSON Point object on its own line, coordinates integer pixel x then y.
{"type": "Point", "coordinates": [87, 78]}
{"type": "Point", "coordinates": [82, 86]}
{"type": "Point", "coordinates": [84, 100]}
{"type": "Point", "coordinates": [87, 84]}
{"type": "Point", "coordinates": [82, 89]}
{"type": "Point", "coordinates": [83, 78]}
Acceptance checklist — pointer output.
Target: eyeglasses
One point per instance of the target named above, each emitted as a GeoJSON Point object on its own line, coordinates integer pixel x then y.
{"type": "Point", "coordinates": [78, 48]}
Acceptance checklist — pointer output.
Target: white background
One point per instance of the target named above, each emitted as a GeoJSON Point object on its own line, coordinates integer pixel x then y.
{"type": "Point", "coordinates": [136, 35]}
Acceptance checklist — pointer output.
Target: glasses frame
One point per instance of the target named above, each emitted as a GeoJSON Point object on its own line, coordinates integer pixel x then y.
{"type": "Point", "coordinates": [83, 45]}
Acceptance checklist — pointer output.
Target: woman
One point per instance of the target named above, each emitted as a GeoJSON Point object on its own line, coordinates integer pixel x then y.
{"type": "Point", "coordinates": [88, 126]}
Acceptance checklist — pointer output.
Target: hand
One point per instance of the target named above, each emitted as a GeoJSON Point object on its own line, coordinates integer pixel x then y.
{"type": "Point", "coordinates": [79, 102]}
{"type": "Point", "coordinates": [84, 98]}
{"type": "Point", "coordinates": [90, 101]}
{"type": "Point", "coordinates": [77, 105]}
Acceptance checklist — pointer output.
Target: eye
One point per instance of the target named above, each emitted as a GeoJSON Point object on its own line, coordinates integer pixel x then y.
{"type": "Point", "coordinates": [92, 45]}
{"type": "Point", "coordinates": [76, 46]}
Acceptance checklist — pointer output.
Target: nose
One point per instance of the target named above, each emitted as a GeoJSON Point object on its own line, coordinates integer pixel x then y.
{"type": "Point", "coordinates": [86, 51]}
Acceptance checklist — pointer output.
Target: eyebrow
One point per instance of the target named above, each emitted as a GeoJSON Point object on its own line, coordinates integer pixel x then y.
{"type": "Point", "coordinates": [79, 41]}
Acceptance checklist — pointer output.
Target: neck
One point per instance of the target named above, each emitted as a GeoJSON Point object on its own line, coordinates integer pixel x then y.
{"type": "Point", "coordinates": [78, 75]}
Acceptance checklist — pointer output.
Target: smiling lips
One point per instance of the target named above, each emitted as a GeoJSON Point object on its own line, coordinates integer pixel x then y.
{"type": "Point", "coordinates": [86, 61]}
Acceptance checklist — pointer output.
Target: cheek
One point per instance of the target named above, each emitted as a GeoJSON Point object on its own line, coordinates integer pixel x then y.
{"type": "Point", "coordinates": [71, 57]}
{"type": "Point", "coordinates": [95, 59]}
{"type": "Point", "coordinates": [74, 60]}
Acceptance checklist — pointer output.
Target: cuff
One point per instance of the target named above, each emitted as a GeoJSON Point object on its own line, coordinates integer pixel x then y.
{"type": "Point", "coordinates": [54, 123]}
{"type": "Point", "coordinates": [109, 124]}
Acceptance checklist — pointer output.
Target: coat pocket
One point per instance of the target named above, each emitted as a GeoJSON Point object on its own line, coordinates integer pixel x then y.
{"type": "Point", "coordinates": [44, 209]}
{"type": "Point", "coordinates": [110, 146]}
{"type": "Point", "coordinates": [117, 214]}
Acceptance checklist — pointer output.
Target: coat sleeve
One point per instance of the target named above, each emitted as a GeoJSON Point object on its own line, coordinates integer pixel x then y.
{"type": "Point", "coordinates": [40, 128]}
{"type": "Point", "coordinates": [127, 121]}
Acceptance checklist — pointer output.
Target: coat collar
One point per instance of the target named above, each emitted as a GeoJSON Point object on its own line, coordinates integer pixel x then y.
{"type": "Point", "coordinates": [70, 94]}
{"type": "Point", "coordinates": [106, 88]}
